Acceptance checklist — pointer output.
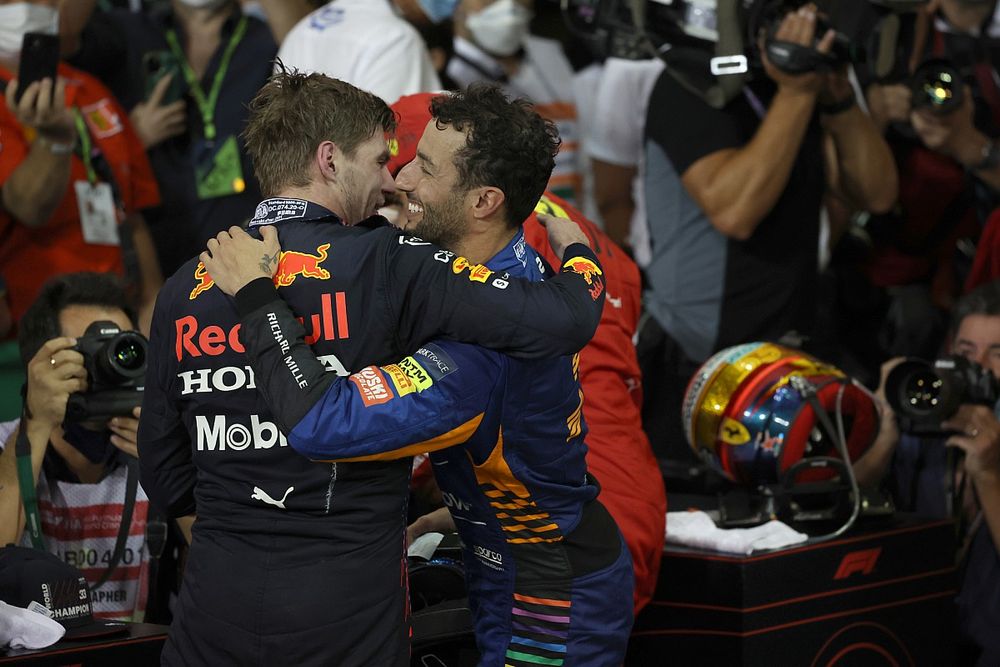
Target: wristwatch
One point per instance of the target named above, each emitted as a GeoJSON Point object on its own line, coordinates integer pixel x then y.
{"type": "Point", "coordinates": [56, 147]}
{"type": "Point", "coordinates": [990, 157]}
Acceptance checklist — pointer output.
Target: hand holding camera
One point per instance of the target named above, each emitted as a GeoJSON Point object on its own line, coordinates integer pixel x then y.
{"type": "Point", "coordinates": [977, 434]}
{"type": "Point", "coordinates": [54, 373]}
{"type": "Point", "coordinates": [115, 365]}
{"type": "Point", "coordinates": [796, 34]}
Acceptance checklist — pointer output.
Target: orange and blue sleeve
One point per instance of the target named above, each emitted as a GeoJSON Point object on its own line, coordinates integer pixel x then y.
{"type": "Point", "coordinates": [435, 398]}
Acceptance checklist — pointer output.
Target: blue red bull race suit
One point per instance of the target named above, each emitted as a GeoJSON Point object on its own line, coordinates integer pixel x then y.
{"type": "Point", "coordinates": [295, 562]}
{"type": "Point", "coordinates": [549, 577]}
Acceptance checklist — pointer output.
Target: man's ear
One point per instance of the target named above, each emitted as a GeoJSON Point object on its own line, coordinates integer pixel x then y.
{"type": "Point", "coordinates": [487, 202]}
{"type": "Point", "coordinates": [326, 159]}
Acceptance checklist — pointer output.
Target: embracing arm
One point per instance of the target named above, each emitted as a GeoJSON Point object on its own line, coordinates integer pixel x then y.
{"type": "Point", "coordinates": [432, 399]}
{"type": "Point", "coordinates": [443, 295]}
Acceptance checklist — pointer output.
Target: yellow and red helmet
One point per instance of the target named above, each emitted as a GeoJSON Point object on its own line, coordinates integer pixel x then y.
{"type": "Point", "coordinates": [744, 416]}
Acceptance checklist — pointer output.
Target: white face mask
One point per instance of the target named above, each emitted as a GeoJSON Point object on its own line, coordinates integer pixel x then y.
{"type": "Point", "coordinates": [500, 29]}
{"type": "Point", "coordinates": [204, 4]}
{"type": "Point", "coordinates": [20, 17]}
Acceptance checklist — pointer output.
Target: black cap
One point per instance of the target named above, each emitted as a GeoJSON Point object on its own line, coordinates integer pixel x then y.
{"type": "Point", "coordinates": [30, 575]}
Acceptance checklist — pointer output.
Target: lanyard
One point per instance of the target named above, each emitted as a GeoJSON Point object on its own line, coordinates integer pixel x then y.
{"type": "Point", "coordinates": [94, 162]}
{"type": "Point", "coordinates": [26, 483]}
{"type": "Point", "coordinates": [86, 145]}
{"type": "Point", "coordinates": [206, 105]}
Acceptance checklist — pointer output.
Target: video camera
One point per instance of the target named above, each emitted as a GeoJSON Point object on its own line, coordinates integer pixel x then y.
{"type": "Point", "coordinates": [711, 46]}
{"type": "Point", "coordinates": [116, 372]}
{"type": "Point", "coordinates": [924, 394]}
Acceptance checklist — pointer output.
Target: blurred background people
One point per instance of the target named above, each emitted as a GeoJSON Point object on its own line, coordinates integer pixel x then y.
{"type": "Point", "coordinates": [364, 43]}
{"type": "Point", "coordinates": [733, 198]}
{"type": "Point", "coordinates": [956, 473]}
{"type": "Point", "coordinates": [492, 43]}
{"type": "Point", "coordinates": [74, 185]}
{"type": "Point", "coordinates": [186, 71]}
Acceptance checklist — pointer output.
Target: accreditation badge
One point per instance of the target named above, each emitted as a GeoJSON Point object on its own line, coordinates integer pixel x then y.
{"type": "Point", "coordinates": [98, 217]}
{"type": "Point", "coordinates": [217, 169]}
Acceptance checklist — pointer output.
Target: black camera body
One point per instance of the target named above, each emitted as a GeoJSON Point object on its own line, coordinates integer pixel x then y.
{"type": "Point", "coordinates": [116, 373]}
{"type": "Point", "coordinates": [924, 394]}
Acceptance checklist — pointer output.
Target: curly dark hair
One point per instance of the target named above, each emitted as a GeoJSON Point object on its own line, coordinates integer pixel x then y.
{"type": "Point", "coordinates": [40, 323]}
{"type": "Point", "coordinates": [295, 112]}
{"type": "Point", "coordinates": [508, 145]}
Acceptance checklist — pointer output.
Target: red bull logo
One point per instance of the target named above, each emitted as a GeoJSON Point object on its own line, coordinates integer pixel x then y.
{"type": "Point", "coordinates": [291, 265]}
{"type": "Point", "coordinates": [203, 281]}
{"type": "Point", "coordinates": [590, 272]}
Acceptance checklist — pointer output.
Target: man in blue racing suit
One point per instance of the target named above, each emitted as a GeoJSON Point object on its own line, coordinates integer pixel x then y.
{"type": "Point", "coordinates": [549, 577]}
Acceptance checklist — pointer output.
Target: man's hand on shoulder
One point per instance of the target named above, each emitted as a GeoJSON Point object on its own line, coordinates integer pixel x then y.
{"type": "Point", "coordinates": [563, 233]}
{"type": "Point", "coordinates": [234, 258]}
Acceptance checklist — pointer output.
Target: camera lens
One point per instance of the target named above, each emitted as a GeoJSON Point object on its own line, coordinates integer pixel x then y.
{"type": "Point", "coordinates": [937, 85]}
{"type": "Point", "coordinates": [921, 393]}
{"type": "Point", "coordinates": [130, 355]}
{"type": "Point", "coordinates": [122, 359]}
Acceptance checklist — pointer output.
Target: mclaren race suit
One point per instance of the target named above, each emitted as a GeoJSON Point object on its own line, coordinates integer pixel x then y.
{"type": "Point", "coordinates": [294, 562]}
{"type": "Point", "coordinates": [549, 577]}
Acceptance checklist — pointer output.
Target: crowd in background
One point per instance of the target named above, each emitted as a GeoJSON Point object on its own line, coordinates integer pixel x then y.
{"type": "Point", "coordinates": [832, 211]}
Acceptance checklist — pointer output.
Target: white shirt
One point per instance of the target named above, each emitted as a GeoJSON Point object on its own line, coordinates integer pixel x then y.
{"type": "Point", "coordinates": [364, 43]}
{"type": "Point", "coordinates": [617, 132]}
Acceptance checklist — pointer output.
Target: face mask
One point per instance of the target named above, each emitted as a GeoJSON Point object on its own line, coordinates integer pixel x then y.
{"type": "Point", "coordinates": [94, 445]}
{"type": "Point", "coordinates": [500, 28]}
{"type": "Point", "coordinates": [437, 11]}
{"type": "Point", "coordinates": [21, 17]}
{"type": "Point", "coordinates": [204, 4]}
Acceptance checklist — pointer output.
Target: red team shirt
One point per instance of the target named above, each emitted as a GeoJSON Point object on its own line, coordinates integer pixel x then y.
{"type": "Point", "coordinates": [28, 257]}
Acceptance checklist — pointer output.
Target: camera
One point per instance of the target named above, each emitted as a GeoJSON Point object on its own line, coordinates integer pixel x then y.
{"type": "Point", "coordinates": [924, 394]}
{"type": "Point", "coordinates": [937, 85]}
{"type": "Point", "coordinates": [115, 361]}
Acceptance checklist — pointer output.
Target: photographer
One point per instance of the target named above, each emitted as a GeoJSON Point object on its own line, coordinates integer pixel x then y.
{"type": "Point", "coordinates": [940, 116]}
{"type": "Point", "coordinates": [79, 469]}
{"type": "Point", "coordinates": [733, 199]}
{"type": "Point", "coordinates": [957, 471]}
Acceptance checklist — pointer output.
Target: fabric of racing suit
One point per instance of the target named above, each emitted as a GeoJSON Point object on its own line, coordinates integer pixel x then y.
{"type": "Point", "coordinates": [294, 562]}
{"type": "Point", "coordinates": [549, 576]}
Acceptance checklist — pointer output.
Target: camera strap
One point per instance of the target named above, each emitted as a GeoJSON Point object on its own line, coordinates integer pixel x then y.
{"type": "Point", "coordinates": [33, 520]}
{"type": "Point", "coordinates": [128, 505]}
{"type": "Point", "coordinates": [26, 486]}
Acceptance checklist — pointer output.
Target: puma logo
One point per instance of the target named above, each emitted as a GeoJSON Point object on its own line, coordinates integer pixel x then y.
{"type": "Point", "coordinates": [616, 302]}
{"type": "Point", "coordinates": [261, 494]}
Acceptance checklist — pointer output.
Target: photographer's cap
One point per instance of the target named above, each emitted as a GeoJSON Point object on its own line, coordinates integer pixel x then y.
{"type": "Point", "coordinates": [30, 575]}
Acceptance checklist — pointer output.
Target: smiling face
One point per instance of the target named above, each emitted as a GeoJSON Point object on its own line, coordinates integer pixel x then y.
{"type": "Point", "coordinates": [364, 180]}
{"type": "Point", "coordinates": [437, 205]}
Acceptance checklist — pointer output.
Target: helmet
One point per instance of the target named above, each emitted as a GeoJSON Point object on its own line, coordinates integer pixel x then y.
{"type": "Point", "coordinates": [747, 413]}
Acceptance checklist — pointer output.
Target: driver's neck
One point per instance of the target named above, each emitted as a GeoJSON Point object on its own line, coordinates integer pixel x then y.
{"type": "Point", "coordinates": [484, 241]}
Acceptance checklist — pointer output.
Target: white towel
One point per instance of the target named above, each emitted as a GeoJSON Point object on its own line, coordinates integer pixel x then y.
{"type": "Point", "coordinates": [696, 529]}
{"type": "Point", "coordinates": [20, 628]}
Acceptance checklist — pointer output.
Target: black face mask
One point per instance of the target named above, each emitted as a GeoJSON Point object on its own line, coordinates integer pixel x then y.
{"type": "Point", "coordinates": [94, 445]}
